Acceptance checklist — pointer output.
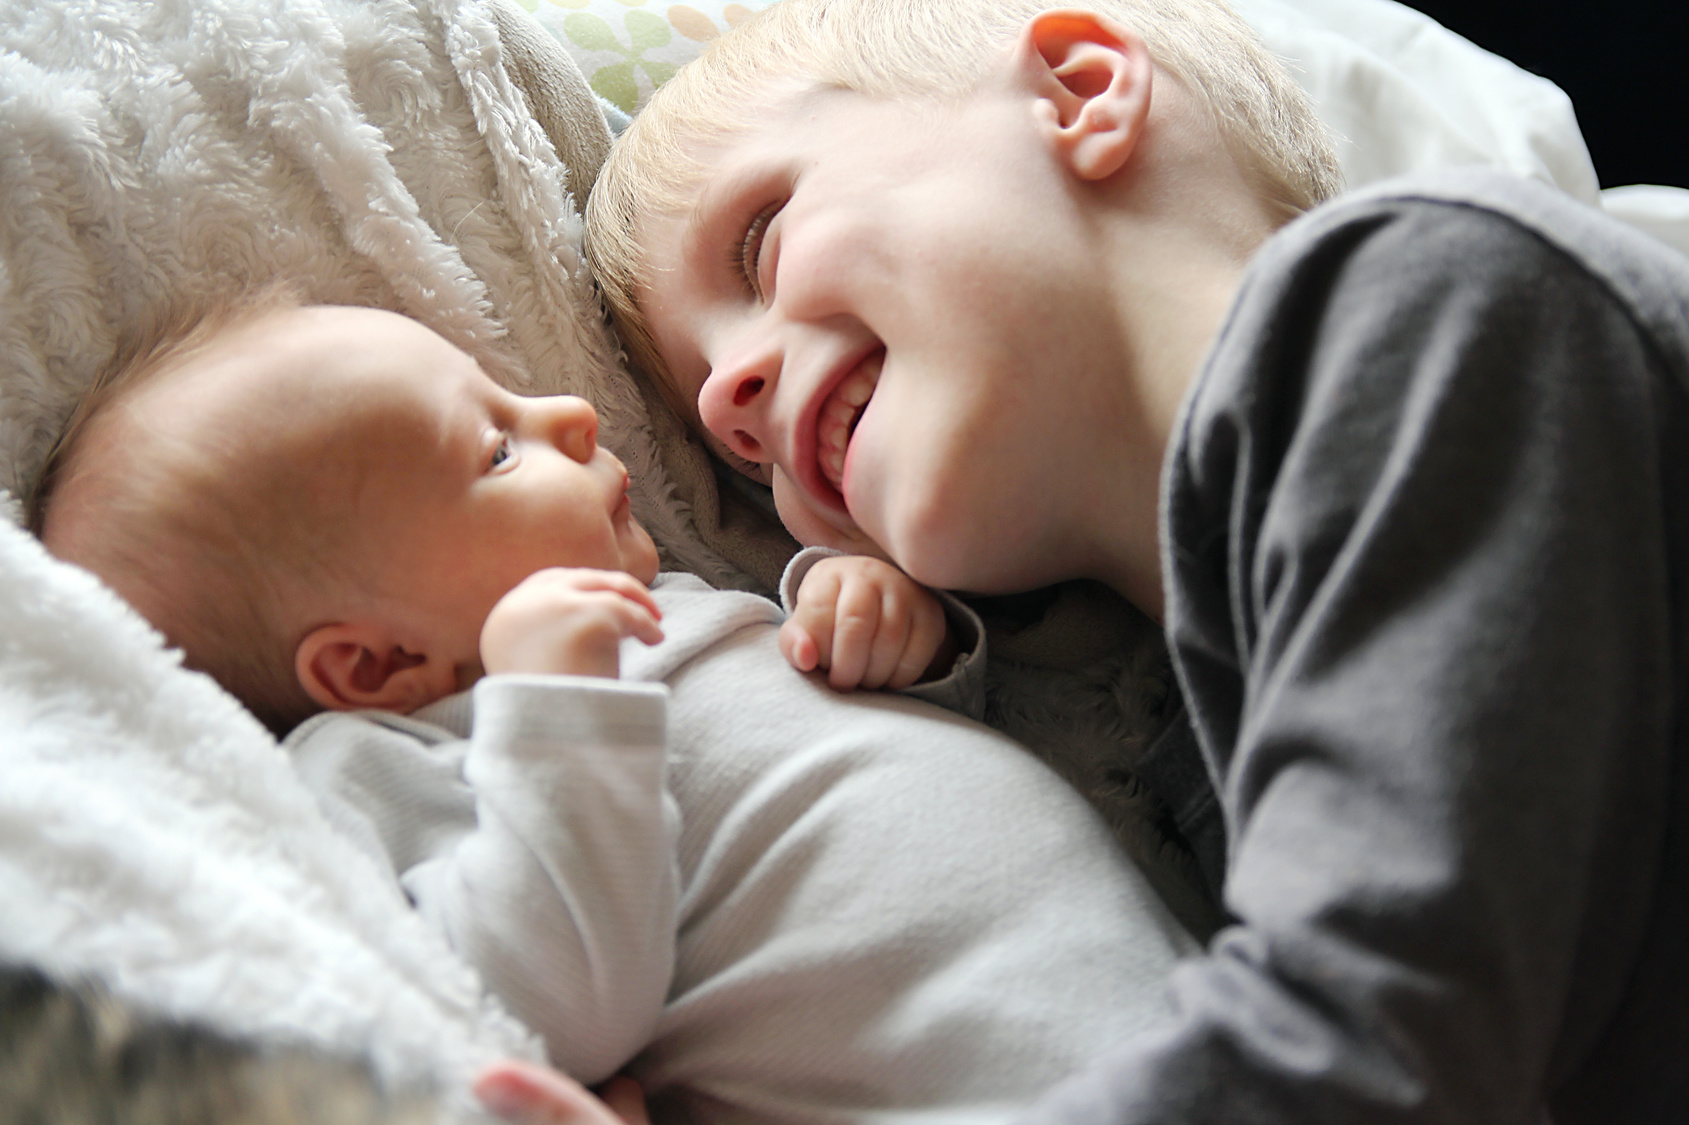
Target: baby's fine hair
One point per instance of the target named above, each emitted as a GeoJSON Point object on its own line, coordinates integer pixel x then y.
{"type": "Point", "coordinates": [927, 49]}
{"type": "Point", "coordinates": [212, 560]}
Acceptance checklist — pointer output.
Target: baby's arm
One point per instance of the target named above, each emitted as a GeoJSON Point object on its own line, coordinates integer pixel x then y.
{"type": "Point", "coordinates": [543, 846]}
{"type": "Point", "coordinates": [868, 625]}
{"type": "Point", "coordinates": [564, 896]}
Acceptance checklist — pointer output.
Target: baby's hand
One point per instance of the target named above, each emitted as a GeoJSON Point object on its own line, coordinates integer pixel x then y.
{"type": "Point", "coordinates": [869, 624]}
{"type": "Point", "coordinates": [568, 621]}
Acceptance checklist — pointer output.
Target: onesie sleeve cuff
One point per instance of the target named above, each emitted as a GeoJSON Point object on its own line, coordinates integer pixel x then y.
{"type": "Point", "coordinates": [962, 689]}
{"type": "Point", "coordinates": [551, 710]}
{"type": "Point", "coordinates": [797, 569]}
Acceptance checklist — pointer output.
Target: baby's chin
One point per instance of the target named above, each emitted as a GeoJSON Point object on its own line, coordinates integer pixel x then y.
{"type": "Point", "coordinates": [643, 563]}
{"type": "Point", "coordinates": [467, 673]}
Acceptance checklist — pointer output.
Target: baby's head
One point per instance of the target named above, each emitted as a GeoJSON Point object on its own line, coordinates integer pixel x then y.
{"type": "Point", "coordinates": [880, 192]}
{"type": "Point", "coordinates": [320, 504]}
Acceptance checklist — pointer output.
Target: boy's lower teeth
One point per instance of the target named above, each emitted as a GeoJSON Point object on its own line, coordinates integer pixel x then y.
{"type": "Point", "coordinates": [839, 418]}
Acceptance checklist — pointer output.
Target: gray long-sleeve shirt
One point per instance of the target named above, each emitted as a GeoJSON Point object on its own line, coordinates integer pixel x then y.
{"type": "Point", "coordinates": [1427, 555]}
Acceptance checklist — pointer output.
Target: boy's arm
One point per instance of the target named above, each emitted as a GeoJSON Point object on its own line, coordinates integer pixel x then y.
{"type": "Point", "coordinates": [956, 680]}
{"type": "Point", "coordinates": [543, 847]}
{"type": "Point", "coordinates": [1420, 600]}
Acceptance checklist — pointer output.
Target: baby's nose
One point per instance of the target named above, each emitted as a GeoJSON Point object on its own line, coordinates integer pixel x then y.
{"type": "Point", "coordinates": [572, 426]}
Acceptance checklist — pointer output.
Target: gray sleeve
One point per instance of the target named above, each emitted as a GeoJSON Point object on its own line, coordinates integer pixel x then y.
{"type": "Point", "coordinates": [543, 847]}
{"type": "Point", "coordinates": [963, 689]}
{"type": "Point", "coordinates": [1418, 599]}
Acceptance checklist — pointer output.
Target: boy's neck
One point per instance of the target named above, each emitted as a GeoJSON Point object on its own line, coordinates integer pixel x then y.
{"type": "Point", "coordinates": [1175, 238]}
{"type": "Point", "coordinates": [1171, 328]}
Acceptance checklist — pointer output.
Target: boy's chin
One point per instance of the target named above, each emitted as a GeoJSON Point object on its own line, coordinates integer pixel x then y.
{"type": "Point", "coordinates": [813, 529]}
{"type": "Point", "coordinates": [974, 568]}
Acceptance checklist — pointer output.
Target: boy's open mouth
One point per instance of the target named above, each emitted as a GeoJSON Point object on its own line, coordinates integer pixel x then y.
{"type": "Point", "coordinates": [837, 418]}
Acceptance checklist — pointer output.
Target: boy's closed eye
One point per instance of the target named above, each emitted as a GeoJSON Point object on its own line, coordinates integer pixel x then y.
{"type": "Point", "coordinates": [748, 259]}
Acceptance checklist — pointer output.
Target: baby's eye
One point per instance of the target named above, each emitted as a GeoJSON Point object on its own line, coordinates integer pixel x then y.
{"type": "Point", "coordinates": [502, 452]}
{"type": "Point", "coordinates": [748, 259]}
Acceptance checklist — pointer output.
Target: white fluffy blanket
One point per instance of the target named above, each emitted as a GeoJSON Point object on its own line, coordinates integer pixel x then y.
{"type": "Point", "coordinates": [154, 835]}
{"type": "Point", "coordinates": [378, 151]}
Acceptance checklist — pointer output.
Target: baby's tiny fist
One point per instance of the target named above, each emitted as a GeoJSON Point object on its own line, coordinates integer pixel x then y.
{"type": "Point", "coordinates": [568, 622]}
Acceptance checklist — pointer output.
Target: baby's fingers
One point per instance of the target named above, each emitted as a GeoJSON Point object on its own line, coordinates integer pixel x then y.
{"type": "Point", "coordinates": [798, 646]}
{"type": "Point", "coordinates": [889, 648]}
{"type": "Point", "coordinates": [637, 620]}
{"type": "Point", "coordinates": [806, 639]}
{"type": "Point", "coordinates": [927, 632]}
{"type": "Point", "coordinates": [531, 1094]}
{"type": "Point", "coordinates": [857, 623]}
{"type": "Point", "coordinates": [626, 598]}
{"type": "Point", "coordinates": [616, 582]}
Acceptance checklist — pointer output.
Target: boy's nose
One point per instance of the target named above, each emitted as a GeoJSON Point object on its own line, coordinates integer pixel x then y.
{"type": "Point", "coordinates": [731, 404]}
{"type": "Point", "coordinates": [571, 424]}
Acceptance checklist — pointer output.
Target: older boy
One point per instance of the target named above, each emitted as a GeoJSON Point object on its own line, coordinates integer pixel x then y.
{"type": "Point", "coordinates": [991, 289]}
{"type": "Point", "coordinates": [856, 887]}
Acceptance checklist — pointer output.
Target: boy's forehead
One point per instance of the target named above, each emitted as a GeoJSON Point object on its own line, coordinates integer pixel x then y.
{"type": "Point", "coordinates": [763, 154]}
{"type": "Point", "coordinates": [680, 168]}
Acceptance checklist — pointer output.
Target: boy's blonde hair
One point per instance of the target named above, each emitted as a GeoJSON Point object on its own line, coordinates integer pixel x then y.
{"type": "Point", "coordinates": [926, 49]}
{"type": "Point", "coordinates": [216, 560]}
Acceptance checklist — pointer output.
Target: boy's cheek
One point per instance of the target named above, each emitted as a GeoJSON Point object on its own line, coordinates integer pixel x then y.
{"type": "Point", "coordinates": [813, 529]}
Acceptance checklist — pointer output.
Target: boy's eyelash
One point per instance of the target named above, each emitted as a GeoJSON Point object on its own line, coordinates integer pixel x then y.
{"type": "Point", "coordinates": [745, 256]}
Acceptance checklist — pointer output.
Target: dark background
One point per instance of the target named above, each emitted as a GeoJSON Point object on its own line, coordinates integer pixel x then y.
{"type": "Point", "coordinates": [1625, 65]}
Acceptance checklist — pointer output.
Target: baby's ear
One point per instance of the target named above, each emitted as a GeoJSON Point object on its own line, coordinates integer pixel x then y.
{"type": "Point", "coordinates": [359, 666]}
{"type": "Point", "coordinates": [1091, 78]}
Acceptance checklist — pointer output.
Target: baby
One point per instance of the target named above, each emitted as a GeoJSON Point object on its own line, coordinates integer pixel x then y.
{"type": "Point", "coordinates": [766, 900]}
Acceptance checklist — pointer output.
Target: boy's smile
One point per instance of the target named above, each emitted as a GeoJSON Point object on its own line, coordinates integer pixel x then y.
{"type": "Point", "coordinates": [843, 311]}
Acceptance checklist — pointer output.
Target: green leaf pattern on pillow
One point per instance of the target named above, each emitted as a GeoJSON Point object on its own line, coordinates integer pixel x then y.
{"type": "Point", "coordinates": [627, 48]}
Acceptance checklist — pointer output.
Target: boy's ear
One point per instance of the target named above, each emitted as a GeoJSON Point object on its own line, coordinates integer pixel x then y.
{"type": "Point", "coordinates": [359, 666]}
{"type": "Point", "coordinates": [1091, 77]}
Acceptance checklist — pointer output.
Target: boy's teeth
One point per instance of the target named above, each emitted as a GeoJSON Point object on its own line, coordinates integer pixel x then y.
{"type": "Point", "coordinates": [838, 419]}
{"type": "Point", "coordinates": [856, 391]}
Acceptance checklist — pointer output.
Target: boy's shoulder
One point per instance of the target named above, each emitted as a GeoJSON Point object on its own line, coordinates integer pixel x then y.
{"type": "Point", "coordinates": [1457, 264]}
{"type": "Point", "coordinates": [1485, 228]}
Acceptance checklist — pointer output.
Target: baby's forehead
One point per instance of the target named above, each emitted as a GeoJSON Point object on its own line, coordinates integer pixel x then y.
{"type": "Point", "coordinates": [260, 411]}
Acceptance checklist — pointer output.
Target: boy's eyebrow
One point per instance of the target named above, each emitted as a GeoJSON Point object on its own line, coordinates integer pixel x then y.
{"type": "Point", "coordinates": [716, 203]}
{"type": "Point", "coordinates": [704, 214]}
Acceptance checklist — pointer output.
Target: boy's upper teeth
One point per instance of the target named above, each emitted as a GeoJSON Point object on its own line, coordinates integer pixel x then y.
{"type": "Point", "coordinates": [838, 418]}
